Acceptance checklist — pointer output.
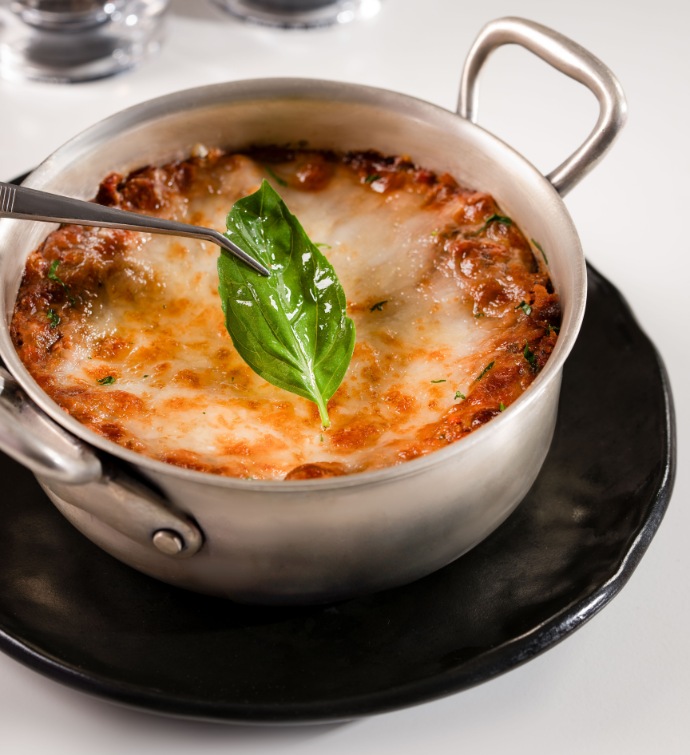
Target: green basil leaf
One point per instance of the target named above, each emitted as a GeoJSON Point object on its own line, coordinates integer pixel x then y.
{"type": "Point", "coordinates": [290, 328]}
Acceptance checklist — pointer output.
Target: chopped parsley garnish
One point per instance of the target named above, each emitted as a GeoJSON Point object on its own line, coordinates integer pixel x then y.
{"type": "Point", "coordinates": [530, 357]}
{"type": "Point", "coordinates": [280, 181]}
{"type": "Point", "coordinates": [52, 273]}
{"type": "Point", "coordinates": [525, 307]}
{"type": "Point", "coordinates": [501, 407]}
{"type": "Point", "coordinates": [378, 306]}
{"type": "Point", "coordinates": [553, 328]}
{"type": "Point", "coordinates": [372, 177]}
{"type": "Point", "coordinates": [502, 219]}
{"type": "Point", "coordinates": [459, 395]}
{"type": "Point", "coordinates": [543, 253]}
{"type": "Point", "coordinates": [438, 381]}
{"type": "Point", "coordinates": [484, 371]}
{"type": "Point", "coordinates": [107, 380]}
{"type": "Point", "coordinates": [53, 318]}
{"type": "Point", "coordinates": [53, 276]}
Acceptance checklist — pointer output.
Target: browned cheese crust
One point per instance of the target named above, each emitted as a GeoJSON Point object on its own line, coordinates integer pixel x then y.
{"type": "Point", "coordinates": [132, 345]}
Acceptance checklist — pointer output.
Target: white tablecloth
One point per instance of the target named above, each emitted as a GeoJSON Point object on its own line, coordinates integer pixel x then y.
{"type": "Point", "coordinates": [621, 683]}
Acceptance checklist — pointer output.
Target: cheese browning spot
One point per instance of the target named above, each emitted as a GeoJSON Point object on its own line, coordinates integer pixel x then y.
{"type": "Point", "coordinates": [126, 333]}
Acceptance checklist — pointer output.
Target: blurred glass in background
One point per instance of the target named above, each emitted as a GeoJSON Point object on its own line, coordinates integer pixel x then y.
{"type": "Point", "coordinates": [77, 40]}
{"type": "Point", "coordinates": [300, 13]}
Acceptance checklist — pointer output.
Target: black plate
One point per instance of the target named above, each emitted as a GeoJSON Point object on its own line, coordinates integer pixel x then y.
{"type": "Point", "coordinates": [77, 615]}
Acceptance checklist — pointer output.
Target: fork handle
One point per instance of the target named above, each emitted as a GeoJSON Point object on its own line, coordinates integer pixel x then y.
{"type": "Point", "coordinates": [30, 204]}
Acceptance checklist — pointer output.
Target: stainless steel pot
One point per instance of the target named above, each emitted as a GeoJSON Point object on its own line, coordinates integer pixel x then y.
{"type": "Point", "coordinates": [315, 540]}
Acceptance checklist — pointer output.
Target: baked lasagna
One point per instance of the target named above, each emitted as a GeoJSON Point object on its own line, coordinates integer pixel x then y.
{"type": "Point", "coordinates": [454, 311]}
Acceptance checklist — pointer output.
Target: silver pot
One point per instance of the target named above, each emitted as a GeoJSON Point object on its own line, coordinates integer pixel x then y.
{"type": "Point", "coordinates": [314, 540]}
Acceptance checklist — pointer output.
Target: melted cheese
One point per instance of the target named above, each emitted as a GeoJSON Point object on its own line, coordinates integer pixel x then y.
{"type": "Point", "coordinates": [141, 353]}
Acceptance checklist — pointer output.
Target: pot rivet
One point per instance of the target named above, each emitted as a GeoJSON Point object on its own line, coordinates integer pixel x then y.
{"type": "Point", "coordinates": [169, 542]}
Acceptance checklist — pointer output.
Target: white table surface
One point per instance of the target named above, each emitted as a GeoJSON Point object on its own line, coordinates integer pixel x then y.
{"type": "Point", "coordinates": [621, 683]}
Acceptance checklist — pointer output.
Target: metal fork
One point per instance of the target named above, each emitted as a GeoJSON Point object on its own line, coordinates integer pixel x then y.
{"type": "Point", "coordinates": [29, 204]}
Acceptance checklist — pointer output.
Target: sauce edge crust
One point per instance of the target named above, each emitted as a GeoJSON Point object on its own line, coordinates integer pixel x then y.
{"type": "Point", "coordinates": [499, 280]}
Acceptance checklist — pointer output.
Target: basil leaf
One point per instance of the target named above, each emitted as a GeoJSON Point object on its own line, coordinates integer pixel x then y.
{"type": "Point", "coordinates": [280, 181]}
{"type": "Point", "coordinates": [290, 328]}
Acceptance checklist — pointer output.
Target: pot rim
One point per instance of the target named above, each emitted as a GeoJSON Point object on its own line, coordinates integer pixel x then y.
{"type": "Point", "coordinates": [287, 88]}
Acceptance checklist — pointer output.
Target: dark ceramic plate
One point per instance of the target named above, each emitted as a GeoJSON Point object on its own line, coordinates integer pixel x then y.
{"type": "Point", "coordinates": [77, 615]}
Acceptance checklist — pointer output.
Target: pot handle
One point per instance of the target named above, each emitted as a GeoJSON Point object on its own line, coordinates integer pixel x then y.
{"type": "Point", "coordinates": [567, 57]}
{"type": "Point", "coordinates": [67, 467]}
{"type": "Point", "coordinates": [30, 437]}
{"type": "Point", "coordinates": [134, 509]}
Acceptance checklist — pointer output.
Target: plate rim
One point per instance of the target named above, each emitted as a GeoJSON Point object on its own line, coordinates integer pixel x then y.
{"type": "Point", "coordinates": [491, 664]}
